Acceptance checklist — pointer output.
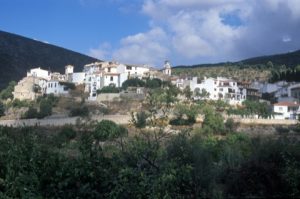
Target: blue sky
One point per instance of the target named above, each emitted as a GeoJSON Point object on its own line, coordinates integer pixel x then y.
{"type": "Point", "coordinates": [150, 31]}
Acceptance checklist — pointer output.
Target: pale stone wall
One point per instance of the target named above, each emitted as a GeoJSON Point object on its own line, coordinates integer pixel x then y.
{"type": "Point", "coordinates": [24, 89]}
{"type": "Point", "coordinates": [119, 119]}
{"type": "Point", "coordinates": [108, 97]}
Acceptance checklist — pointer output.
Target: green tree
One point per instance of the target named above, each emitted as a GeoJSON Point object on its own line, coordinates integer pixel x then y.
{"type": "Point", "coordinates": [188, 93]}
{"type": "Point", "coordinates": [45, 108]}
{"type": "Point", "coordinates": [31, 113]}
{"type": "Point", "coordinates": [213, 122]}
{"type": "Point", "coordinates": [107, 130]}
{"type": "Point", "coordinates": [2, 109]}
{"type": "Point", "coordinates": [135, 82]}
{"type": "Point", "coordinates": [139, 120]}
{"type": "Point", "coordinates": [109, 89]}
{"type": "Point", "coordinates": [7, 93]}
{"type": "Point", "coordinates": [153, 83]}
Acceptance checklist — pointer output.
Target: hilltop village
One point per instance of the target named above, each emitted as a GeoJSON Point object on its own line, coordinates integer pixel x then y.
{"type": "Point", "coordinates": [104, 81]}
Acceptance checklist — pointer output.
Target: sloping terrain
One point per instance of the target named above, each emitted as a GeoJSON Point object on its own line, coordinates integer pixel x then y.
{"type": "Point", "coordinates": [19, 54]}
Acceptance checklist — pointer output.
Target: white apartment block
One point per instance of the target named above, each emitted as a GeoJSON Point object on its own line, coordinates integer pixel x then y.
{"type": "Point", "coordinates": [218, 88]}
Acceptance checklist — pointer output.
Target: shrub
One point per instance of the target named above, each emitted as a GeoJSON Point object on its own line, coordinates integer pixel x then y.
{"type": "Point", "coordinates": [81, 111]}
{"type": "Point", "coordinates": [31, 113]}
{"type": "Point", "coordinates": [230, 125]}
{"type": "Point", "coordinates": [108, 130]}
{"type": "Point", "coordinates": [181, 121]}
{"type": "Point", "coordinates": [153, 83]}
{"type": "Point", "coordinates": [68, 85]}
{"type": "Point", "coordinates": [139, 120]}
{"type": "Point", "coordinates": [133, 82]}
{"type": "Point", "coordinates": [45, 108]}
{"type": "Point", "coordinates": [19, 103]}
{"type": "Point", "coordinates": [281, 129]}
{"type": "Point", "coordinates": [68, 132]}
{"type": "Point", "coordinates": [7, 92]}
{"type": "Point", "coordinates": [109, 89]}
{"type": "Point", "coordinates": [2, 109]}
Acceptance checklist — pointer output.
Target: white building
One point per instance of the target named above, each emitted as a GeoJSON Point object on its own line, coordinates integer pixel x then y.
{"type": "Point", "coordinates": [219, 88]}
{"type": "Point", "coordinates": [101, 74]}
{"type": "Point", "coordinates": [294, 91]}
{"type": "Point", "coordinates": [286, 110]}
{"type": "Point", "coordinates": [29, 88]}
{"type": "Point", "coordinates": [167, 68]}
{"type": "Point", "coordinates": [57, 88]}
{"type": "Point", "coordinates": [133, 71]}
{"type": "Point", "coordinates": [38, 72]}
{"type": "Point", "coordinates": [77, 78]}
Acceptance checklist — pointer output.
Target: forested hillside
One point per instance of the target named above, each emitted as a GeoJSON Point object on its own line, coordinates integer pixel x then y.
{"type": "Point", "coordinates": [265, 68]}
{"type": "Point", "coordinates": [18, 54]}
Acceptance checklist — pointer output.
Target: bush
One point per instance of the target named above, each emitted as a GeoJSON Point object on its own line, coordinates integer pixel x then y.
{"type": "Point", "coordinates": [19, 104]}
{"type": "Point", "coordinates": [281, 129]}
{"type": "Point", "coordinates": [109, 89]}
{"type": "Point", "coordinates": [181, 121]}
{"type": "Point", "coordinates": [68, 85]}
{"type": "Point", "coordinates": [139, 120]}
{"type": "Point", "coordinates": [108, 130]}
{"type": "Point", "coordinates": [153, 83]}
{"type": "Point", "coordinates": [7, 92]}
{"type": "Point", "coordinates": [230, 125]}
{"type": "Point", "coordinates": [2, 109]}
{"type": "Point", "coordinates": [81, 111]}
{"type": "Point", "coordinates": [45, 108]}
{"type": "Point", "coordinates": [31, 113]}
{"type": "Point", "coordinates": [133, 82]}
{"type": "Point", "coordinates": [66, 134]}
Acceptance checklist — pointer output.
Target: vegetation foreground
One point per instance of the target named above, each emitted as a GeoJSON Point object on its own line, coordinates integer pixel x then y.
{"type": "Point", "coordinates": [103, 160]}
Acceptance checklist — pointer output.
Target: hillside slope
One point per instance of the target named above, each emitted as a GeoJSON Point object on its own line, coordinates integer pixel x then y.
{"type": "Point", "coordinates": [18, 54]}
{"type": "Point", "coordinates": [290, 59]}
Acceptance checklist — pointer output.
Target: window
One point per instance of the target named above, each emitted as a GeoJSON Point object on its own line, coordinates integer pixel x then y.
{"type": "Point", "coordinates": [128, 67]}
{"type": "Point", "coordinates": [65, 88]}
{"type": "Point", "coordinates": [108, 70]}
{"type": "Point", "coordinates": [215, 89]}
{"type": "Point", "coordinates": [111, 78]}
{"type": "Point", "coordinates": [221, 89]}
{"type": "Point", "coordinates": [280, 109]}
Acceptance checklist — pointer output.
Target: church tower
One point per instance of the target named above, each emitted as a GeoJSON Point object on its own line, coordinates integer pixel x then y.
{"type": "Point", "coordinates": [167, 68]}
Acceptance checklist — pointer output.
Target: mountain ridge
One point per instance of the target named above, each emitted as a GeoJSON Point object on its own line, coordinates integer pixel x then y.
{"type": "Point", "coordinates": [18, 54]}
{"type": "Point", "coordinates": [290, 59]}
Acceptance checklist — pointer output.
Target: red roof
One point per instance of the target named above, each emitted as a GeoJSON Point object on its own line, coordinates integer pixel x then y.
{"type": "Point", "coordinates": [287, 104]}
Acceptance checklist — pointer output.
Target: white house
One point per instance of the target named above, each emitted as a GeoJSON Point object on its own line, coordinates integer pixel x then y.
{"type": "Point", "coordinates": [57, 88]}
{"type": "Point", "coordinates": [77, 78]}
{"type": "Point", "coordinates": [286, 110]}
{"type": "Point", "coordinates": [133, 71]}
{"type": "Point", "coordinates": [220, 88]}
{"type": "Point", "coordinates": [38, 72]}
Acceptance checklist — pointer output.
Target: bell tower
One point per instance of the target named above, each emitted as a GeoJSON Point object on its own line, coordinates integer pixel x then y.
{"type": "Point", "coordinates": [167, 68]}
